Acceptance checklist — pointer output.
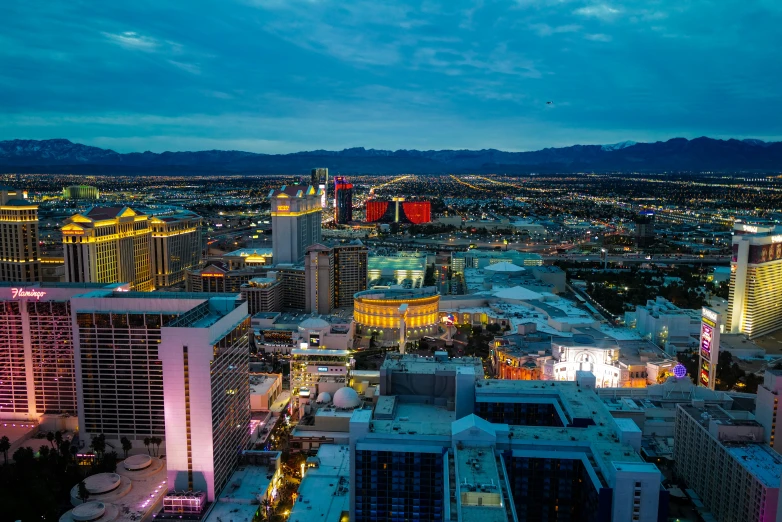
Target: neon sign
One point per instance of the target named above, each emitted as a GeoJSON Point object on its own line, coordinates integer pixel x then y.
{"type": "Point", "coordinates": [749, 228]}
{"type": "Point", "coordinates": [709, 314]}
{"type": "Point", "coordinates": [776, 239]}
{"type": "Point", "coordinates": [21, 292]}
{"type": "Point", "coordinates": [283, 208]}
{"type": "Point", "coordinates": [707, 334]}
{"type": "Point", "coordinates": [679, 371]}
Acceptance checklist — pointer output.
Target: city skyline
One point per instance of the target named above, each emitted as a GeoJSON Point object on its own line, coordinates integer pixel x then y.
{"type": "Point", "coordinates": [277, 77]}
{"type": "Point", "coordinates": [349, 261]}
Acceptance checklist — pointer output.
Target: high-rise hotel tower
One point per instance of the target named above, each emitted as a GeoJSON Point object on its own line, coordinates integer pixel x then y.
{"type": "Point", "coordinates": [343, 200]}
{"type": "Point", "coordinates": [109, 245]}
{"type": "Point", "coordinates": [296, 221]}
{"type": "Point", "coordinates": [20, 259]}
{"type": "Point", "coordinates": [755, 300]}
{"type": "Point", "coordinates": [172, 365]}
{"type": "Point", "coordinates": [177, 247]}
{"type": "Point", "coordinates": [37, 372]}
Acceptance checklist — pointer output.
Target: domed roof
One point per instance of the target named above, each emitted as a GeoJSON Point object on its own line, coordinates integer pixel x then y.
{"type": "Point", "coordinates": [346, 398]}
{"type": "Point", "coordinates": [504, 267]}
{"type": "Point", "coordinates": [88, 511]}
{"type": "Point", "coordinates": [313, 323]}
{"type": "Point", "coordinates": [323, 397]}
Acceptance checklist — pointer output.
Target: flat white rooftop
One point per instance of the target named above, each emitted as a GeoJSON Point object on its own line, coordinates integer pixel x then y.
{"type": "Point", "coordinates": [261, 384]}
{"type": "Point", "coordinates": [423, 419]}
{"type": "Point", "coordinates": [763, 462]}
{"type": "Point", "coordinates": [239, 499]}
{"type": "Point", "coordinates": [324, 492]}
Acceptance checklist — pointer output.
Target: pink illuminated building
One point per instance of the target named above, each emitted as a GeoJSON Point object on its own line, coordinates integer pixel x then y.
{"type": "Point", "coordinates": [37, 372]}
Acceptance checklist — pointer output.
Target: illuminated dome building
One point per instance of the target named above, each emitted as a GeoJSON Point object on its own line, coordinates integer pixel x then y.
{"type": "Point", "coordinates": [394, 313]}
{"type": "Point", "coordinates": [80, 192]}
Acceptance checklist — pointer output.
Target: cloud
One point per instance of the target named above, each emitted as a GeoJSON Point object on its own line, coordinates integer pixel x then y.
{"type": "Point", "coordinates": [599, 37]}
{"type": "Point", "coordinates": [133, 40]}
{"type": "Point", "coordinates": [188, 67]}
{"type": "Point", "coordinates": [547, 30]}
{"type": "Point", "coordinates": [600, 11]}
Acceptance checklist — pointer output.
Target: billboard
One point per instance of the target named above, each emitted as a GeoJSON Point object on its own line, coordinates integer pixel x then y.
{"type": "Point", "coordinates": [707, 336]}
{"type": "Point", "coordinates": [708, 353]}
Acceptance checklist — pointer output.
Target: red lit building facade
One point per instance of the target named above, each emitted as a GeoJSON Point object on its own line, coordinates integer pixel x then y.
{"type": "Point", "coordinates": [398, 211]}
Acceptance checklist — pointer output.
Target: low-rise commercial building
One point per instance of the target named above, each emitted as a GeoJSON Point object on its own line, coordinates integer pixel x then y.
{"type": "Point", "coordinates": [264, 390]}
{"type": "Point", "coordinates": [662, 322]}
{"type": "Point", "coordinates": [277, 332]}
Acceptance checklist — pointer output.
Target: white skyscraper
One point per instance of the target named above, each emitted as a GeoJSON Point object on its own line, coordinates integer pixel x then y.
{"type": "Point", "coordinates": [296, 221]}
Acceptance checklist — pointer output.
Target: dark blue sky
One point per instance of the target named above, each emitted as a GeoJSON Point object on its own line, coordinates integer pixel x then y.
{"type": "Point", "coordinates": [288, 75]}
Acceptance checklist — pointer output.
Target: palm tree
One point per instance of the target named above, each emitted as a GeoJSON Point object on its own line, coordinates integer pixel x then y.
{"type": "Point", "coordinates": [44, 451]}
{"type": "Point", "coordinates": [65, 451]}
{"type": "Point", "coordinates": [147, 442]}
{"type": "Point", "coordinates": [5, 445]}
{"type": "Point", "coordinates": [58, 440]}
{"type": "Point", "coordinates": [84, 493]}
{"type": "Point", "coordinates": [157, 441]}
{"type": "Point", "coordinates": [126, 445]}
{"type": "Point", "coordinates": [50, 438]}
{"type": "Point", "coordinates": [266, 504]}
{"type": "Point", "coordinates": [98, 445]}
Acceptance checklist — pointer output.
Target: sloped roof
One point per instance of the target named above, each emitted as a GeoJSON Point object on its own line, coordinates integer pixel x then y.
{"type": "Point", "coordinates": [292, 191]}
{"type": "Point", "coordinates": [470, 422]}
{"type": "Point", "coordinates": [111, 212]}
{"type": "Point", "coordinates": [518, 292]}
{"type": "Point", "coordinates": [504, 266]}
{"type": "Point", "coordinates": [19, 203]}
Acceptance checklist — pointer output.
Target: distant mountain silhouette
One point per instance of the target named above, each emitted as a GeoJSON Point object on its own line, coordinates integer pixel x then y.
{"type": "Point", "coordinates": [675, 155]}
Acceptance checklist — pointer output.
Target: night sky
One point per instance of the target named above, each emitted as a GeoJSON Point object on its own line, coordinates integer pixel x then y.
{"type": "Point", "coordinates": [280, 76]}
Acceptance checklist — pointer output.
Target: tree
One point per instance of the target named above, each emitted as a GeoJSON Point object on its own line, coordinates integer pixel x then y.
{"type": "Point", "coordinates": [5, 445]}
{"type": "Point", "coordinates": [429, 275]}
{"type": "Point", "coordinates": [44, 451]}
{"type": "Point", "coordinates": [266, 504]}
{"type": "Point", "coordinates": [126, 445]}
{"type": "Point", "coordinates": [147, 442]}
{"type": "Point", "coordinates": [84, 493]}
{"type": "Point", "coordinates": [157, 441]}
{"type": "Point", "coordinates": [65, 451]}
{"type": "Point", "coordinates": [24, 456]}
{"type": "Point", "coordinates": [50, 438]}
{"type": "Point", "coordinates": [108, 463]}
{"type": "Point", "coordinates": [98, 445]}
{"type": "Point", "coordinates": [58, 440]}
{"type": "Point", "coordinates": [493, 328]}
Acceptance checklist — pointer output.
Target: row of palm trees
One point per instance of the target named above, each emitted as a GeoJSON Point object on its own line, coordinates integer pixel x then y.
{"type": "Point", "coordinates": [98, 444]}
{"type": "Point", "coordinates": [54, 438]}
{"type": "Point", "coordinates": [152, 441]}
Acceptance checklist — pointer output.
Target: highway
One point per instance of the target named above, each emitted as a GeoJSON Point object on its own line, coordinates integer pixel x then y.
{"type": "Point", "coordinates": [659, 259]}
{"type": "Point", "coordinates": [462, 244]}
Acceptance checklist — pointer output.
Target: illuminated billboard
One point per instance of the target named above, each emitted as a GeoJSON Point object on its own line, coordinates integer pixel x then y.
{"type": "Point", "coordinates": [707, 335]}
{"type": "Point", "coordinates": [708, 355]}
{"type": "Point", "coordinates": [314, 341]}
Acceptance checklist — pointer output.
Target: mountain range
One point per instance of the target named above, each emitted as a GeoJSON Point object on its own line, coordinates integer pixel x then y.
{"type": "Point", "coordinates": [674, 155]}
